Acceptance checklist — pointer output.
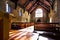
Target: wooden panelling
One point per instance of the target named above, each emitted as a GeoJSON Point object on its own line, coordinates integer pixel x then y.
{"type": "Point", "coordinates": [4, 26]}
{"type": "Point", "coordinates": [39, 26]}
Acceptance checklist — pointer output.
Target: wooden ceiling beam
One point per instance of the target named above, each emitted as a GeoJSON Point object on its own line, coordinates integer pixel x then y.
{"type": "Point", "coordinates": [53, 4]}
{"type": "Point", "coordinates": [51, 1]}
{"type": "Point", "coordinates": [32, 6]}
{"type": "Point", "coordinates": [33, 9]}
{"type": "Point", "coordinates": [44, 6]}
{"type": "Point", "coordinates": [26, 3]}
{"type": "Point", "coordinates": [20, 5]}
{"type": "Point", "coordinates": [35, 6]}
{"type": "Point", "coordinates": [15, 1]}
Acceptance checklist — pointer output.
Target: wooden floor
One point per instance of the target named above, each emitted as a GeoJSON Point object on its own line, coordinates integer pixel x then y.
{"type": "Point", "coordinates": [37, 35]}
{"type": "Point", "coordinates": [51, 33]}
{"type": "Point", "coordinates": [19, 35]}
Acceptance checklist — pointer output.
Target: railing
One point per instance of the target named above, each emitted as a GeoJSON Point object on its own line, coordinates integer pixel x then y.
{"type": "Point", "coordinates": [40, 26]}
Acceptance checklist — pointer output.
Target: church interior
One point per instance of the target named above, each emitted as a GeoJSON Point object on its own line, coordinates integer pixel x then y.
{"type": "Point", "coordinates": [29, 20]}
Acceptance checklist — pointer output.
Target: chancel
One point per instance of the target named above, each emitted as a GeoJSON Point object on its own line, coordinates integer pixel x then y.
{"type": "Point", "coordinates": [29, 20]}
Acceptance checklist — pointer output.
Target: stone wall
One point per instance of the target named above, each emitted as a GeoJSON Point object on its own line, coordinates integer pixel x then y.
{"type": "Point", "coordinates": [43, 19]}
{"type": "Point", "coordinates": [58, 11]}
{"type": "Point", "coordinates": [2, 5]}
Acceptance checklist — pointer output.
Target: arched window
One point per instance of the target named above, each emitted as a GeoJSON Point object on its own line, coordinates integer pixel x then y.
{"type": "Point", "coordinates": [20, 12]}
{"type": "Point", "coordinates": [8, 8]}
{"type": "Point", "coordinates": [39, 12]}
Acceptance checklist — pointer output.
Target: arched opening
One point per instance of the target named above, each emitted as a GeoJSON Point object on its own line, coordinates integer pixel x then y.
{"type": "Point", "coordinates": [39, 14]}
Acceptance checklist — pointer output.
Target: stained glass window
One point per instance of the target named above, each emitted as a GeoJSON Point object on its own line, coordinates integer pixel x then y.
{"type": "Point", "coordinates": [39, 13]}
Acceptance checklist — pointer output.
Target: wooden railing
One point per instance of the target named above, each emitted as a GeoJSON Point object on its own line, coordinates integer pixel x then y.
{"type": "Point", "coordinates": [39, 26]}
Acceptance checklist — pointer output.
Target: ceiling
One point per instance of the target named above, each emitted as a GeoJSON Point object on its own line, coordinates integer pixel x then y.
{"type": "Point", "coordinates": [31, 5]}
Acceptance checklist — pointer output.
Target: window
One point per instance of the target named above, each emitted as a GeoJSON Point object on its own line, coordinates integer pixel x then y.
{"type": "Point", "coordinates": [8, 8]}
{"type": "Point", "coordinates": [20, 12]}
{"type": "Point", "coordinates": [39, 12]}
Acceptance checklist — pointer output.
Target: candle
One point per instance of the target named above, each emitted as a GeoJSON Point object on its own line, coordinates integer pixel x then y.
{"type": "Point", "coordinates": [50, 20]}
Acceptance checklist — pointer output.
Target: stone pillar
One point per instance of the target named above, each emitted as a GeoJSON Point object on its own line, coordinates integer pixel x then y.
{"type": "Point", "coordinates": [58, 11]}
